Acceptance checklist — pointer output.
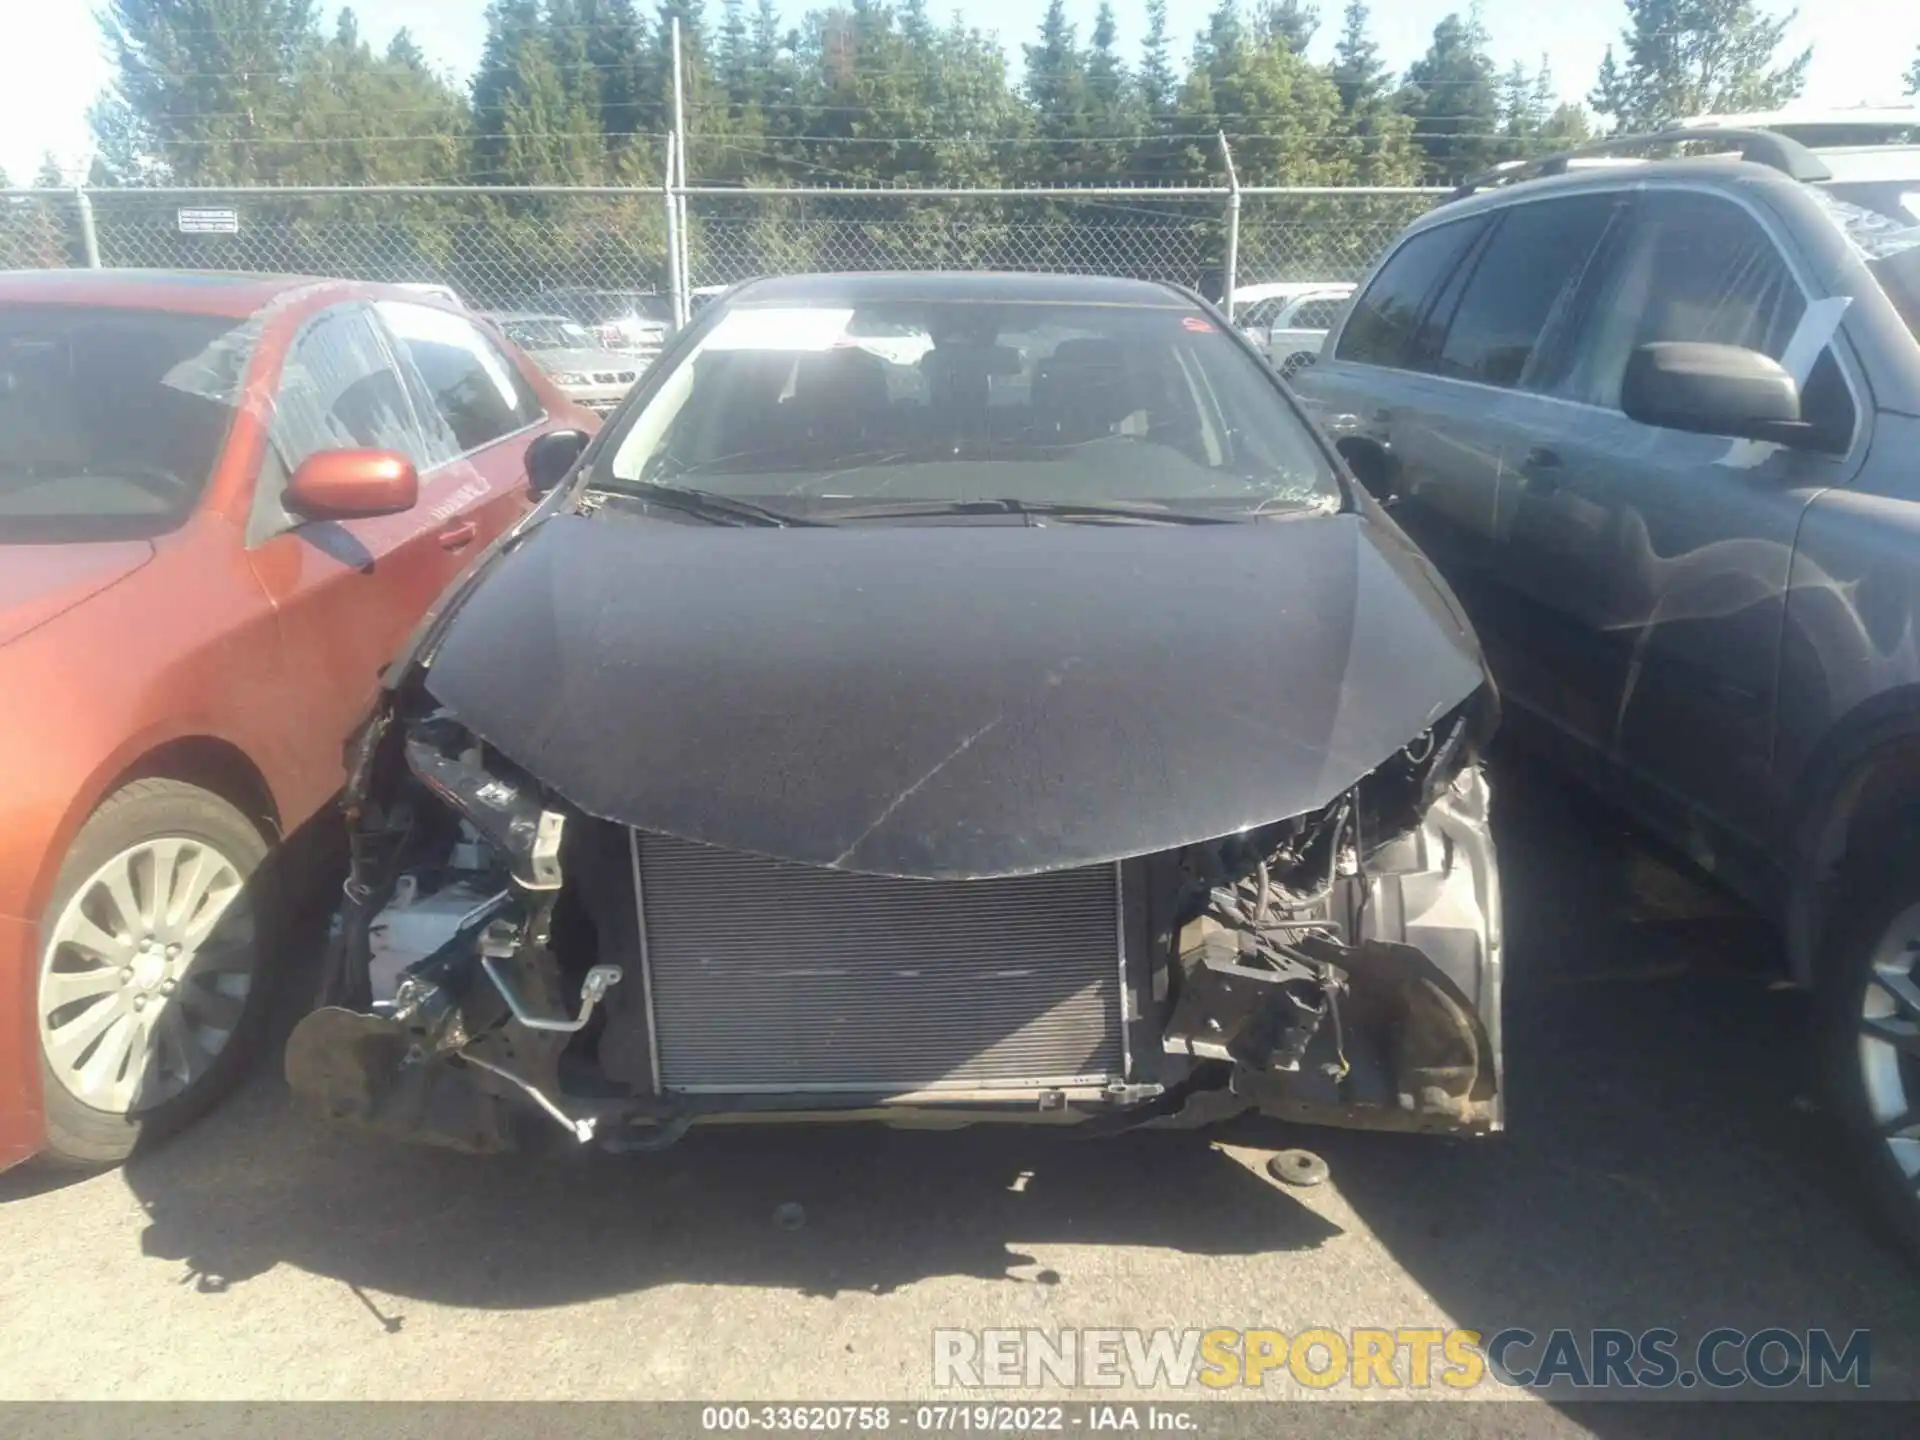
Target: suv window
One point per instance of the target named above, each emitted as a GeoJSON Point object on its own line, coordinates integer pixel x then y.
{"type": "Point", "coordinates": [467, 377]}
{"type": "Point", "coordinates": [1691, 267]}
{"type": "Point", "coordinates": [1528, 270]}
{"type": "Point", "coordinates": [1382, 324]}
{"type": "Point", "coordinates": [1315, 315]}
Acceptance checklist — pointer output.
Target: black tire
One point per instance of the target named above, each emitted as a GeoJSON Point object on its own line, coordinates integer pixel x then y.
{"type": "Point", "coordinates": [1869, 906]}
{"type": "Point", "coordinates": [79, 1135]}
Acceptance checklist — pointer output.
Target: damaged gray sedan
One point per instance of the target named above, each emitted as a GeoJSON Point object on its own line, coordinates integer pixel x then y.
{"type": "Point", "coordinates": [931, 699]}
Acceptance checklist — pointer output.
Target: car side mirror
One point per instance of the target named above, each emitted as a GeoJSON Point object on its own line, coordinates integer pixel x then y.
{"type": "Point", "coordinates": [352, 485]}
{"type": "Point", "coordinates": [551, 457]}
{"type": "Point", "coordinates": [1713, 390]}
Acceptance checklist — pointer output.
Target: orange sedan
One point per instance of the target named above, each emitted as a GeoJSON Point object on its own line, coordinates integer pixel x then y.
{"type": "Point", "coordinates": [224, 501]}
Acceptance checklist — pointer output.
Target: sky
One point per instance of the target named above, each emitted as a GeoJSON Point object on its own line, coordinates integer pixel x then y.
{"type": "Point", "coordinates": [1861, 49]}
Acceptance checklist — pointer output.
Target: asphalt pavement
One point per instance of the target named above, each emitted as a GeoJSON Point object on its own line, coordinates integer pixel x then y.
{"type": "Point", "coordinates": [1664, 1165]}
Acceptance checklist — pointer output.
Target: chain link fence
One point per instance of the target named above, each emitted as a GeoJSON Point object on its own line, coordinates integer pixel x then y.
{"type": "Point", "coordinates": [1321, 234]}
{"type": "Point", "coordinates": [505, 248]}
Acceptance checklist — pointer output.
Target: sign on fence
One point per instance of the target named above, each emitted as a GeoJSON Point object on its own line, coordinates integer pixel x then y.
{"type": "Point", "coordinates": [208, 222]}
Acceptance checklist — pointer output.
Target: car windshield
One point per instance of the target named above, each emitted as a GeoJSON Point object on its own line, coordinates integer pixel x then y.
{"type": "Point", "coordinates": [813, 408]}
{"type": "Point", "coordinates": [110, 420]}
{"type": "Point", "coordinates": [547, 332]}
{"type": "Point", "coordinates": [1889, 243]}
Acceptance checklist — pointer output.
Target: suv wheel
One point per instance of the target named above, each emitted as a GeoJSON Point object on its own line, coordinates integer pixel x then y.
{"type": "Point", "coordinates": [1870, 1039]}
{"type": "Point", "coordinates": [150, 994]}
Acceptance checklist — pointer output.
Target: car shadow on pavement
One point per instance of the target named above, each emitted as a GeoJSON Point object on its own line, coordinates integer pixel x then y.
{"type": "Point", "coordinates": [1664, 1163]}
{"type": "Point", "coordinates": [818, 1210]}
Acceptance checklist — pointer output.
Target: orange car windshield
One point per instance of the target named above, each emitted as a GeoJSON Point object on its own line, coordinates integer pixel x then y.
{"type": "Point", "coordinates": [110, 420]}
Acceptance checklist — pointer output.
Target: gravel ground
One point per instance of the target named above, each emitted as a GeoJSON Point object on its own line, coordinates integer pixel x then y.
{"type": "Point", "coordinates": [1663, 1166]}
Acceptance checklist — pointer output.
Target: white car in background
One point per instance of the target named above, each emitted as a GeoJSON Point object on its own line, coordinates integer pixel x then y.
{"type": "Point", "coordinates": [634, 322]}
{"type": "Point", "coordinates": [1869, 148]}
{"type": "Point", "coordinates": [585, 371]}
{"type": "Point", "coordinates": [1290, 320]}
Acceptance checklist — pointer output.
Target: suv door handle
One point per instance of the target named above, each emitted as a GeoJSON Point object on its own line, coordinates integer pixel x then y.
{"type": "Point", "coordinates": [1541, 469]}
{"type": "Point", "coordinates": [458, 536]}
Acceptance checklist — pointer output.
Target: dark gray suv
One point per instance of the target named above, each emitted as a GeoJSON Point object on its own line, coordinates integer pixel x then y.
{"type": "Point", "coordinates": [1659, 424]}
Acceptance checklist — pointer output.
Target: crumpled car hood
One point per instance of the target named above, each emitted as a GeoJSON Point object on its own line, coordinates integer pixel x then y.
{"type": "Point", "coordinates": [950, 701]}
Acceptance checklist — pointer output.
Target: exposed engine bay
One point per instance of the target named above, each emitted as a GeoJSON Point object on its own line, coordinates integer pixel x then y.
{"type": "Point", "coordinates": [508, 963]}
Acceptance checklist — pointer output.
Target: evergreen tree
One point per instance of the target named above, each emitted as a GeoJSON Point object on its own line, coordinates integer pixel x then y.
{"type": "Point", "coordinates": [1059, 86]}
{"type": "Point", "coordinates": [1454, 101]}
{"type": "Point", "coordinates": [354, 117]}
{"type": "Point", "coordinates": [616, 52]}
{"type": "Point", "coordinates": [1379, 138]}
{"type": "Point", "coordinates": [1562, 126]}
{"type": "Point", "coordinates": [1106, 71]}
{"type": "Point", "coordinates": [1913, 76]}
{"type": "Point", "coordinates": [535, 101]}
{"type": "Point", "coordinates": [1156, 81]}
{"type": "Point", "coordinates": [1694, 57]}
{"type": "Point", "coordinates": [198, 84]}
{"type": "Point", "coordinates": [1357, 67]}
{"type": "Point", "coordinates": [402, 49]}
{"type": "Point", "coordinates": [1289, 21]}
{"type": "Point", "coordinates": [1285, 111]}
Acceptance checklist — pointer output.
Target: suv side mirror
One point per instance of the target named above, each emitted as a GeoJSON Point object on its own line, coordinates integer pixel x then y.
{"type": "Point", "coordinates": [352, 485]}
{"type": "Point", "coordinates": [551, 456]}
{"type": "Point", "coordinates": [1713, 390]}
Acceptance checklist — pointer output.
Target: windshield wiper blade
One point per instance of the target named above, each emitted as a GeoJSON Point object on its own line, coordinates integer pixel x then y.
{"type": "Point", "coordinates": [1051, 509]}
{"type": "Point", "coordinates": [706, 504]}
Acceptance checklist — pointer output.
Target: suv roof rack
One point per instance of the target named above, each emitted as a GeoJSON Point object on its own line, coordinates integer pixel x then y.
{"type": "Point", "coordinates": [1761, 147]}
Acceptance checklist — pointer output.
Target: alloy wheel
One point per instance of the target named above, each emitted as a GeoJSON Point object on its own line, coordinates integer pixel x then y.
{"type": "Point", "coordinates": [1890, 1041]}
{"type": "Point", "coordinates": [146, 974]}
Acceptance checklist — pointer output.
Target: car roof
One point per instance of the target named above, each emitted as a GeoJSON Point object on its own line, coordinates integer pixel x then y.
{"type": "Point", "coordinates": [202, 292]}
{"type": "Point", "coordinates": [226, 293]}
{"type": "Point", "coordinates": [981, 286]}
{"type": "Point", "coordinates": [1725, 169]}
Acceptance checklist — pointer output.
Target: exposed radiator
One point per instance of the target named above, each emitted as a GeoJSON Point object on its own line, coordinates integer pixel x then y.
{"type": "Point", "coordinates": [764, 976]}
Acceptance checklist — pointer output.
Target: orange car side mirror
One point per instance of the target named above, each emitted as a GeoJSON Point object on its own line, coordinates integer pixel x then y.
{"type": "Point", "coordinates": [352, 485]}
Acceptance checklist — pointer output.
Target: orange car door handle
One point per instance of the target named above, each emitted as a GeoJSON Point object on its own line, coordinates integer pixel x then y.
{"type": "Point", "coordinates": [458, 537]}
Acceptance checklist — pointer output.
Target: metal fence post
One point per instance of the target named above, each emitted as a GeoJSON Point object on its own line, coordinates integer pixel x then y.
{"type": "Point", "coordinates": [682, 300]}
{"type": "Point", "coordinates": [676, 281]}
{"type": "Point", "coordinates": [1231, 280]}
{"type": "Point", "coordinates": [89, 237]}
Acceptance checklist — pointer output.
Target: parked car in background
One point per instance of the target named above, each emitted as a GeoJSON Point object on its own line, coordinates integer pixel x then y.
{"type": "Point", "coordinates": [1660, 425]}
{"type": "Point", "coordinates": [798, 759]}
{"type": "Point", "coordinates": [585, 372]}
{"type": "Point", "coordinates": [224, 502]}
{"type": "Point", "coordinates": [633, 322]}
{"type": "Point", "coordinates": [1288, 322]}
